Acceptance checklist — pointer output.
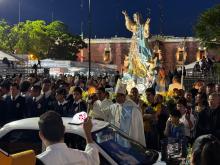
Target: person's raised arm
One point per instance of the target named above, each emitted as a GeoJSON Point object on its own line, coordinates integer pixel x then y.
{"type": "Point", "coordinates": [91, 154]}
{"type": "Point", "coordinates": [87, 126]}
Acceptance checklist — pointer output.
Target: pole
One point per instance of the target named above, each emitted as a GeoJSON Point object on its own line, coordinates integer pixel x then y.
{"type": "Point", "coordinates": [52, 11]}
{"type": "Point", "coordinates": [19, 11]}
{"type": "Point", "coordinates": [184, 59]}
{"type": "Point", "coordinates": [89, 38]}
{"type": "Point", "coordinates": [182, 73]}
{"type": "Point", "coordinates": [81, 7]}
{"type": "Point", "coordinates": [52, 16]}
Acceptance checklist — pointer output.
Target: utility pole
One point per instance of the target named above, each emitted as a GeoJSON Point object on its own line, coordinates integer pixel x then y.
{"type": "Point", "coordinates": [90, 30]}
{"type": "Point", "coordinates": [81, 28]}
{"type": "Point", "coordinates": [52, 15]}
{"type": "Point", "coordinates": [52, 11]}
{"type": "Point", "coordinates": [19, 11]}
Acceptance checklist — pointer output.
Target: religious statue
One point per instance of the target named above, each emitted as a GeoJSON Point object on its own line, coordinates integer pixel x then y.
{"type": "Point", "coordinates": [140, 55]}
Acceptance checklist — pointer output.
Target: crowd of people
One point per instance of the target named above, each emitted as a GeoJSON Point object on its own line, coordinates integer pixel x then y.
{"type": "Point", "coordinates": [205, 66]}
{"type": "Point", "coordinates": [147, 118]}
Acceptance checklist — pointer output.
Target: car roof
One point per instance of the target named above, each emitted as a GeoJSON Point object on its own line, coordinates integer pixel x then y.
{"type": "Point", "coordinates": [32, 124]}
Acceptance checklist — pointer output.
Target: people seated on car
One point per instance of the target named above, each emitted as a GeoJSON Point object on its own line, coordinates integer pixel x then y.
{"type": "Point", "coordinates": [79, 104]}
{"type": "Point", "coordinates": [35, 102]}
{"type": "Point", "coordinates": [61, 105]}
{"type": "Point", "coordinates": [51, 132]}
{"type": "Point", "coordinates": [205, 151]}
{"type": "Point", "coordinates": [174, 128]}
{"type": "Point", "coordinates": [15, 104]}
{"type": "Point", "coordinates": [125, 114]}
{"type": "Point", "coordinates": [48, 97]}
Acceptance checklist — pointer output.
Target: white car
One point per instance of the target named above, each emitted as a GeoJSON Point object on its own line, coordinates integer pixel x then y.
{"type": "Point", "coordinates": [115, 147]}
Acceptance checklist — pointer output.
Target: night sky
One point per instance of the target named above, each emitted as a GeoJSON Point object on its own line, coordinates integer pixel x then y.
{"type": "Point", "coordinates": [178, 16]}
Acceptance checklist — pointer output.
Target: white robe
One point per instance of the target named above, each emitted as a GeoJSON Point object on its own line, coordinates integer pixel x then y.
{"type": "Point", "coordinates": [136, 128]}
{"type": "Point", "coordinates": [98, 105]}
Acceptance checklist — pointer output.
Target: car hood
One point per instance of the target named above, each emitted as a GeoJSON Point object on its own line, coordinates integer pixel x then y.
{"type": "Point", "coordinates": [32, 123]}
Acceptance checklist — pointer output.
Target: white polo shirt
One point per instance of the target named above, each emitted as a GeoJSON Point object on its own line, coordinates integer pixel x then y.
{"type": "Point", "coordinates": [60, 154]}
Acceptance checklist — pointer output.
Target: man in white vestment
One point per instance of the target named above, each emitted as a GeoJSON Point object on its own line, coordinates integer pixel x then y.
{"type": "Point", "coordinates": [126, 115]}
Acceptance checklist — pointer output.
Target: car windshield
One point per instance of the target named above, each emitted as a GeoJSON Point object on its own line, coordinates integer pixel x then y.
{"type": "Point", "coordinates": [122, 149]}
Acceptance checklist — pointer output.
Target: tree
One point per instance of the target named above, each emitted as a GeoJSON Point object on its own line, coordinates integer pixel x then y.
{"type": "Point", "coordinates": [44, 41]}
{"type": "Point", "coordinates": [4, 32]}
{"type": "Point", "coordinates": [208, 27]}
{"type": "Point", "coordinates": [30, 37]}
{"type": "Point", "coordinates": [63, 45]}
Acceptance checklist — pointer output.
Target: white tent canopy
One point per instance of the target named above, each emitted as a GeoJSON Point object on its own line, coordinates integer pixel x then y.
{"type": "Point", "coordinates": [191, 65]}
{"type": "Point", "coordinates": [9, 57]}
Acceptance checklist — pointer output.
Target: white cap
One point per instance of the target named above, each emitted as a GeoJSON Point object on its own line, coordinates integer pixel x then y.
{"type": "Point", "coordinates": [121, 87]}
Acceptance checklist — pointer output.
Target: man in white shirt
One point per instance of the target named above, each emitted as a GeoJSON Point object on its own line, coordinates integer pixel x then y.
{"type": "Point", "coordinates": [101, 103]}
{"type": "Point", "coordinates": [57, 153]}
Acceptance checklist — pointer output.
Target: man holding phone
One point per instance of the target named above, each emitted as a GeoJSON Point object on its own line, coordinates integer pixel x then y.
{"type": "Point", "coordinates": [57, 153]}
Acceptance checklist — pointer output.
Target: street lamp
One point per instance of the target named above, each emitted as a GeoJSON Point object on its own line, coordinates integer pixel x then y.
{"type": "Point", "coordinates": [19, 11]}
{"type": "Point", "coordinates": [89, 26]}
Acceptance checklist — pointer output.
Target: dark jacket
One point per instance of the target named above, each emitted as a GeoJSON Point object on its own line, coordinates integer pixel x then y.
{"type": "Point", "coordinates": [77, 107]}
{"type": "Point", "coordinates": [15, 109]}
{"type": "Point", "coordinates": [209, 122]}
{"type": "Point", "coordinates": [62, 109]}
{"type": "Point", "coordinates": [49, 102]}
{"type": "Point", "coordinates": [34, 108]}
{"type": "Point", "coordinates": [3, 112]}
